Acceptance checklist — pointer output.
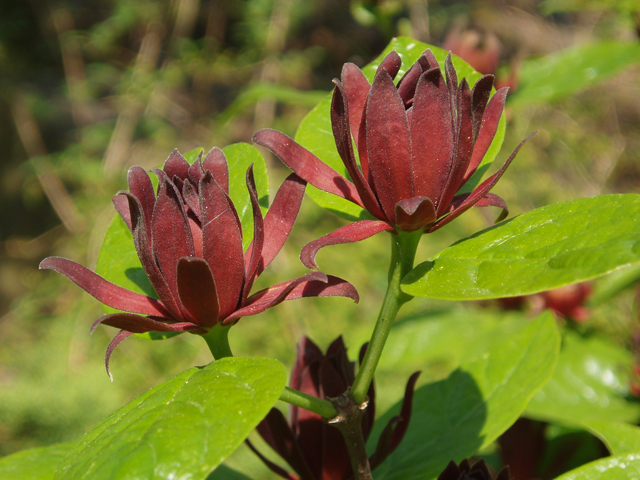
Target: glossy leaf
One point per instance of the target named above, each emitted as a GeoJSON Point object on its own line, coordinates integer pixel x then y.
{"type": "Point", "coordinates": [590, 383]}
{"type": "Point", "coordinates": [118, 261]}
{"type": "Point", "coordinates": [620, 438]}
{"type": "Point", "coordinates": [226, 473]}
{"type": "Point", "coordinates": [624, 467]}
{"type": "Point", "coordinates": [315, 132]}
{"type": "Point", "coordinates": [554, 77]}
{"type": "Point", "coordinates": [35, 463]}
{"type": "Point", "coordinates": [540, 250]}
{"type": "Point", "coordinates": [455, 417]}
{"type": "Point", "coordinates": [183, 428]}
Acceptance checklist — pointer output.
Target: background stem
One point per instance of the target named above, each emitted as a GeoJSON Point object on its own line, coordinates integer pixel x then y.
{"type": "Point", "coordinates": [323, 408]}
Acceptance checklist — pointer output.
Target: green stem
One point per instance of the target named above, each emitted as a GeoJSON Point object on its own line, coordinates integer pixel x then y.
{"type": "Point", "coordinates": [403, 251]}
{"type": "Point", "coordinates": [323, 408]}
{"type": "Point", "coordinates": [217, 339]}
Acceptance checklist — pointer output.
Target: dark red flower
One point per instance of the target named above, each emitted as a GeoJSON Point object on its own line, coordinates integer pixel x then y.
{"type": "Point", "coordinates": [189, 240]}
{"type": "Point", "coordinates": [465, 471]}
{"type": "Point", "coordinates": [314, 449]}
{"type": "Point", "coordinates": [418, 142]}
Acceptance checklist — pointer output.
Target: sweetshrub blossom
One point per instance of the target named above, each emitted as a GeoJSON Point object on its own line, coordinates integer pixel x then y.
{"type": "Point", "coordinates": [418, 143]}
{"type": "Point", "coordinates": [189, 240]}
{"type": "Point", "coordinates": [314, 449]}
{"type": "Point", "coordinates": [477, 471]}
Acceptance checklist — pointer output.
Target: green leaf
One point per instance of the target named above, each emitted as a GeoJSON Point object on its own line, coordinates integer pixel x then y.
{"type": "Point", "coordinates": [624, 467]}
{"type": "Point", "coordinates": [620, 438]}
{"type": "Point", "coordinates": [315, 132]}
{"type": "Point", "coordinates": [34, 464]}
{"type": "Point", "coordinates": [590, 383]}
{"type": "Point", "coordinates": [226, 473]}
{"type": "Point", "coordinates": [183, 428]}
{"type": "Point", "coordinates": [540, 250]}
{"type": "Point", "coordinates": [118, 261]}
{"type": "Point", "coordinates": [559, 75]}
{"type": "Point", "coordinates": [454, 418]}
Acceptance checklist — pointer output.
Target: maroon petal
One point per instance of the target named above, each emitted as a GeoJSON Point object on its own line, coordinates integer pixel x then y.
{"type": "Point", "coordinates": [141, 187]}
{"type": "Point", "coordinates": [216, 162]}
{"type": "Point", "coordinates": [415, 213]}
{"type": "Point", "coordinates": [222, 243]}
{"type": "Point", "coordinates": [197, 291]}
{"type": "Point", "coordinates": [432, 135]}
{"type": "Point", "coordinates": [115, 341]}
{"type": "Point", "coordinates": [452, 80]}
{"type": "Point", "coordinates": [408, 83]}
{"type": "Point", "coordinates": [479, 192]}
{"type": "Point", "coordinates": [391, 63]}
{"type": "Point", "coordinates": [354, 232]}
{"type": "Point", "coordinates": [463, 141]}
{"type": "Point", "coordinates": [334, 287]}
{"type": "Point", "coordinates": [342, 135]}
{"type": "Point", "coordinates": [176, 166]}
{"type": "Point", "coordinates": [191, 198]}
{"type": "Point", "coordinates": [308, 167]}
{"type": "Point", "coordinates": [171, 232]}
{"type": "Point", "coordinates": [121, 205]}
{"type": "Point", "coordinates": [388, 144]}
{"type": "Point", "coordinates": [428, 60]}
{"type": "Point", "coordinates": [196, 172]}
{"type": "Point", "coordinates": [357, 87]}
{"type": "Point", "coordinates": [480, 96]}
{"type": "Point", "coordinates": [490, 121]}
{"type": "Point", "coordinates": [493, 200]}
{"type": "Point", "coordinates": [280, 218]}
{"type": "Point", "coordinates": [270, 465]}
{"type": "Point", "coordinates": [103, 290]}
{"type": "Point", "coordinates": [270, 297]}
{"type": "Point", "coordinates": [277, 433]}
{"type": "Point", "coordinates": [138, 324]}
{"type": "Point", "coordinates": [147, 257]}
{"type": "Point", "coordinates": [253, 255]}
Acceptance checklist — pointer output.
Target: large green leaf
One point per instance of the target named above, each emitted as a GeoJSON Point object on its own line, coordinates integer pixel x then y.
{"type": "Point", "coordinates": [315, 133]}
{"type": "Point", "coordinates": [183, 428]}
{"type": "Point", "coordinates": [624, 467]}
{"type": "Point", "coordinates": [118, 261]}
{"type": "Point", "coordinates": [34, 464]}
{"type": "Point", "coordinates": [543, 249]}
{"type": "Point", "coordinates": [565, 73]}
{"type": "Point", "coordinates": [620, 438]}
{"type": "Point", "coordinates": [456, 417]}
{"type": "Point", "coordinates": [590, 383]}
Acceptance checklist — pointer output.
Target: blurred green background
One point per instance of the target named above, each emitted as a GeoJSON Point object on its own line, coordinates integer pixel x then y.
{"type": "Point", "coordinates": [90, 87]}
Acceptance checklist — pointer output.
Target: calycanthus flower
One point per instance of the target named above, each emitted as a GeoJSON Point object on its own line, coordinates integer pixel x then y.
{"type": "Point", "coordinates": [314, 449]}
{"type": "Point", "coordinates": [418, 143]}
{"type": "Point", "coordinates": [189, 240]}
{"type": "Point", "coordinates": [477, 471]}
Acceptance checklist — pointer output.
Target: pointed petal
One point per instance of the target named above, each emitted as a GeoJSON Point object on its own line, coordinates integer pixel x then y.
{"type": "Point", "coordinates": [493, 200]}
{"type": "Point", "coordinates": [408, 83]}
{"type": "Point", "coordinates": [479, 192]}
{"type": "Point", "coordinates": [270, 465]}
{"type": "Point", "coordinates": [391, 63]}
{"type": "Point", "coordinates": [383, 445]}
{"type": "Point", "coordinates": [342, 135]}
{"type": "Point", "coordinates": [354, 232]}
{"type": "Point", "coordinates": [334, 287]}
{"type": "Point", "coordinates": [452, 78]}
{"type": "Point", "coordinates": [270, 297]}
{"type": "Point", "coordinates": [120, 336]}
{"type": "Point", "coordinates": [388, 144]}
{"type": "Point", "coordinates": [176, 166]}
{"type": "Point", "coordinates": [121, 205]}
{"type": "Point", "coordinates": [280, 218]}
{"type": "Point", "coordinates": [432, 135]}
{"type": "Point", "coordinates": [197, 291]}
{"type": "Point", "coordinates": [253, 255]}
{"type": "Point", "coordinates": [196, 172]}
{"type": "Point", "coordinates": [480, 96]}
{"type": "Point", "coordinates": [147, 258]}
{"type": "Point", "coordinates": [452, 471]}
{"type": "Point", "coordinates": [103, 290]}
{"type": "Point", "coordinates": [488, 129]}
{"type": "Point", "coordinates": [172, 237]}
{"type": "Point", "coordinates": [357, 87]}
{"type": "Point", "coordinates": [428, 60]}
{"type": "Point", "coordinates": [222, 243]}
{"type": "Point", "coordinates": [138, 324]}
{"type": "Point", "coordinates": [216, 162]}
{"type": "Point", "coordinates": [463, 141]}
{"type": "Point", "coordinates": [191, 198]}
{"type": "Point", "coordinates": [415, 213]}
{"type": "Point", "coordinates": [277, 433]}
{"type": "Point", "coordinates": [141, 187]}
{"type": "Point", "coordinates": [308, 167]}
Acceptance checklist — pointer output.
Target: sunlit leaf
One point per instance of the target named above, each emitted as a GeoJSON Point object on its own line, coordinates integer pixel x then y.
{"type": "Point", "coordinates": [543, 249]}
{"type": "Point", "coordinates": [624, 467]}
{"type": "Point", "coordinates": [183, 428]}
{"type": "Point", "coordinates": [34, 464]}
{"type": "Point", "coordinates": [620, 438]}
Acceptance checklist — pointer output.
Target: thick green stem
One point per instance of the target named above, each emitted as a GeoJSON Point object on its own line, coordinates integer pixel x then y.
{"type": "Point", "coordinates": [323, 408]}
{"type": "Point", "coordinates": [403, 251]}
{"type": "Point", "coordinates": [218, 342]}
